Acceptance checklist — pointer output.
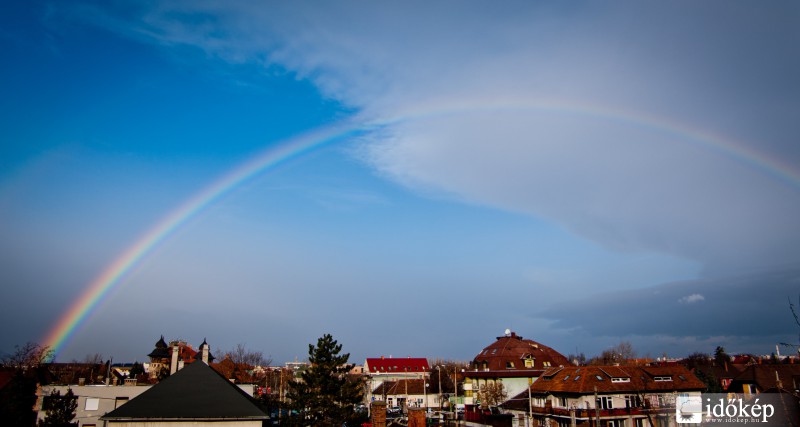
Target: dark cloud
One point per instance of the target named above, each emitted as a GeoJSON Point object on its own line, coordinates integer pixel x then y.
{"type": "Point", "coordinates": [748, 306]}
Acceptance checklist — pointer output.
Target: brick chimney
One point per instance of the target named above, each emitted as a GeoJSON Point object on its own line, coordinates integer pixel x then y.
{"type": "Point", "coordinates": [378, 413]}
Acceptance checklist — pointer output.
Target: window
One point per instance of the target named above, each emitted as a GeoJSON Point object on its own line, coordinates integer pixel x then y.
{"type": "Point", "coordinates": [509, 365]}
{"type": "Point", "coordinates": [606, 402]}
{"type": "Point", "coordinates": [120, 401]}
{"type": "Point", "coordinates": [566, 378]}
{"type": "Point", "coordinates": [632, 401]}
{"type": "Point", "coordinates": [529, 362]}
{"type": "Point", "coordinates": [92, 403]}
{"type": "Point", "coordinates": [576, 378]}
{"type": "Point", "coordinates": [562, 402]}
{"type": "Point", "coordinates": [641, 422]}
{"type": "Point", "coordinates": [663, 378]}
{"type": "Point", "coordinates": [615, 423]}
{"type": "Point", "coordinates": [599, 378]}
{"type": "Point", "coordinates": [620, 380]}
{"type": "Point", "coordinates": [546, 364]}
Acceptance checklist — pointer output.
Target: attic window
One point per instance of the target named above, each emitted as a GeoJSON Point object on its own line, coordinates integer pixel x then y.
{"type": "Point", "coordinates": [576, 378]}
{"type": "Point", "coordinates": [620, 380]}
{"type": "Point", "coordinates": [494, 350]}
{"type": "Point", "coordinates": [509, 365]}
{"type": "Point", "coordinates": [663, 378]}
{"type": "Point", "coordinates": [599, 378]}
{"type": "Point", "coordinates": [682, 377]}
{"type": "Point", "coordinates": [566, 378]}
{"type": "Point", "coordinates": [529, 362]}
{"type": "Point", "coordinates": [545, 364]}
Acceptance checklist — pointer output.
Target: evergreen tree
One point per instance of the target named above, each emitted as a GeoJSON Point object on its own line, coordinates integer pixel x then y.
{"type": "Point", "coordinates": [17, 400]}
{"type": "Point", "coordinates": [325, 395]}
{"type": "Point", "coordinates": [60, 409]}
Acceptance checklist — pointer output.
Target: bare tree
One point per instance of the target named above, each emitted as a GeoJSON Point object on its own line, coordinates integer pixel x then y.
{"type": "Point", "coordinates": [241, 355]}
{"type": "Point", "coordinates": [795, 347]}
{"type": "Point", "coordinates": [620, 353]}
{"type": "Point", "coordinates": [492, 394]}
{"type": "Point", "coordinates": [30, 355]}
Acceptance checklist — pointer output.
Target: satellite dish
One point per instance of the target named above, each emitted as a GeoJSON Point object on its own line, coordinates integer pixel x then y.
{"type": "Point", "coordinates": [508, 332]}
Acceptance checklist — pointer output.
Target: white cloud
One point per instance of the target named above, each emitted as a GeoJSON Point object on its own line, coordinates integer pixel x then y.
{"type": "Point", "coordinates": [577, 115]}
{"type": "Point", "coordinates": [691, 299]}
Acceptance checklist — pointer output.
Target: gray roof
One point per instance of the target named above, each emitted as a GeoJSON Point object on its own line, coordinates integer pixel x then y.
{"type": "Point", "coordinates": [196, 392]}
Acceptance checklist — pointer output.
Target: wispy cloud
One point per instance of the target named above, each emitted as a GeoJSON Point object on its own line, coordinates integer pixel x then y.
{"type": "Point", "coordinates": [596, 118]}
{"type": "Point", "coordinates": [691, 299]}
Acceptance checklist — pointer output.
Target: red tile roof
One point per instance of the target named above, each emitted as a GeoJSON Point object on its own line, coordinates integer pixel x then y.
{"type": "Point", "coordinates": [384, 365]}
{"type": "Point", "coordinates": [616, 379]}
{"type": "Point", "coordinates": [391, 388]}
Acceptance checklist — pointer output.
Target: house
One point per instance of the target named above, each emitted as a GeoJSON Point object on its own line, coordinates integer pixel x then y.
{"type": "Point", "coordinates": [389, 369]}
{"type": "Point", "coordinates": [406, 393]}
{"type": "Point", "coordinates": [170, 358]}
{"type": "Point", "coordinates": [759, 378]}
{"type": "Point", "coordinates": [94, 401]}
{"type": "Point", "coordinates": [512, 361]}
{"type": "Point", "coordinates": [616, 396]}
{"type": "Point", "coordinates": [196, 394]}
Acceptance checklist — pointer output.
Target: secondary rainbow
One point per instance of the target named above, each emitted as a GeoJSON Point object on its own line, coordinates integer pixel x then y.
{"type": "Point", "coordinates": [81, 308]}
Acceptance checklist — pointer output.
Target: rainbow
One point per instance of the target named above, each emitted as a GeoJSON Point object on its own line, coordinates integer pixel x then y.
{"type": "Point", "coordinates": [80, 310]}
{"type": "Point", "coordinates": [113, 274]}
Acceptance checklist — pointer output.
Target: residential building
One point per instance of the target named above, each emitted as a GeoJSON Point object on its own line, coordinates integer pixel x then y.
{"type": "Point", "coordinates": [614, 396]}
{"type": "Point", "coordinates": [94, 401]}
{"type": "Point", "coordinates": [512, 361]}
{"type": "Point", "coordinates": [389, 369]}
{"type": "Point", "coordinates": [756, 379]}
{"type": "Point", "coordinates": [196, 394]}
{"type": "Point", "coordinates": [407, 393]}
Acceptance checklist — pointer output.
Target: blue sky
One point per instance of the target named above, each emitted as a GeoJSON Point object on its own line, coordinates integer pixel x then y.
{"type": "Point", "coordinates": [580, 173]}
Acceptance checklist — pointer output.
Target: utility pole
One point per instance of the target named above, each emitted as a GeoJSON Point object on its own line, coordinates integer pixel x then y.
{"type": "Point", "coordinates": [439, 370]}
{"type": "Point", "coordinates": [530, 403]}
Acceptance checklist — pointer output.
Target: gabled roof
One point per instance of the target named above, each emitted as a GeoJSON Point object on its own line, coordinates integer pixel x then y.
{"type": "Point", "coordinates": [390, 365]}
{"type": "Point", "coordinates": [196, 392]}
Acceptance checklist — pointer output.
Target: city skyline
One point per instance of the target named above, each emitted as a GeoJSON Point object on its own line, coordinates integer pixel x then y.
{"type": "Point", "coordinates": [411, 178]}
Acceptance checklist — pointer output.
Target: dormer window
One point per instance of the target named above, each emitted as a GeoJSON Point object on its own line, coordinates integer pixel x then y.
{"type": "Point", "coordinates": [620, 379]}
{"type": "Point", "coordinates": [529, 362]}
{"type": "Point", "coordinates": [665, 378]}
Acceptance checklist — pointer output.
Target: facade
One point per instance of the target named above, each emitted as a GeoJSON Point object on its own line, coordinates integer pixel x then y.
{"type": "Point", "coordinates": [614, 396]}
{"type": "Point", "coordinates": [512, 361]}
{"type": "Point", "coordinates": [405, 394]}
{"type": "Point", "coordinates": [389, 369]}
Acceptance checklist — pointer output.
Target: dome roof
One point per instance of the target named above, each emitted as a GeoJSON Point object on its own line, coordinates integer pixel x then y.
{"type": "Point", "coordinates": [511, 352]}
{"type": "Point", "coordinates": [161, 351]}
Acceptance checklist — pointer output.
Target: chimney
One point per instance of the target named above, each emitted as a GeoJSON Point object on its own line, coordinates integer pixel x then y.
{"type": "Point", "coordinates": [173, 365]}
{"type": "Point", "coordinates": [204, 351]}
